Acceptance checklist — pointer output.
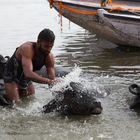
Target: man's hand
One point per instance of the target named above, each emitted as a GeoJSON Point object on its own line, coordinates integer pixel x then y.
{"type": "Point", "coordinates": [52, 82]}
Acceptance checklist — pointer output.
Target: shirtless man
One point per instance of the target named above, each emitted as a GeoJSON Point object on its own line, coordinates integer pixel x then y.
{"type": "Point", "coordinates": [20, 68]}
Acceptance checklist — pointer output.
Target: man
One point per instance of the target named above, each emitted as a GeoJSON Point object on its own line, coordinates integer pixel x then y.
{"type": "Point", "coordinates": [20, 68]}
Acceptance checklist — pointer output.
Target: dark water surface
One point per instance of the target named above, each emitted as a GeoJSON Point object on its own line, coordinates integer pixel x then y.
{"type": "Point", "coordinates": [100, 65]}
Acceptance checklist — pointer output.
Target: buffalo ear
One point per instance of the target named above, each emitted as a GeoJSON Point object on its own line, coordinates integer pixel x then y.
{"type": "Point", "coordinates": [134, 89]}
{"type": "Point", "coordinates": [2, 59]}
{"type": "Point", "coordinates": [76, 85]}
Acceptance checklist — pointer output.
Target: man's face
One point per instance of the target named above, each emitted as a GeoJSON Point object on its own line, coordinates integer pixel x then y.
{"type": "Point", "coordinates": [45, 46]}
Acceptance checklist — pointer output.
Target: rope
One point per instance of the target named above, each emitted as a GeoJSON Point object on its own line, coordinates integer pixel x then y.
{"type": "Point", "coordinates": [78, 12]}
{"type": "Point", "coordinates": [51, 3]}
{"type": "Point", "coordinates": [60, 14]}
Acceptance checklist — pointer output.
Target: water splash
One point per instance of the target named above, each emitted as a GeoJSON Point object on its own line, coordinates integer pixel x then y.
{"type": "Point", "coordinates": [73, 76]}
{"type": "Point", "coordinates": [32, 109]}
{"type": "Point", "coordinates": [94, 86]}
{"type": "Point", "coordinates": [97, 89]}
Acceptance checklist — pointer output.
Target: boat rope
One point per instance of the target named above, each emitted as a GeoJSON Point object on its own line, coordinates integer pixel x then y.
{"type": "Point", "coordinates": [51, 3]}
{"type": "Point", "coordinates": [77, 11]}
{"type": "Point", "coordinates": [60, 14]}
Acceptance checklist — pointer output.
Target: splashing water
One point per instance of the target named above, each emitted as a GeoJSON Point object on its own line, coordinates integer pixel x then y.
{"type": "Point", "coordinates": [93, 86]}
{"type": "Point", "coordinates": [33, 109]}
{"type": "Point", "coordinates": [97, 89]}
{"type": "Point", "coordinates": [73, 76]}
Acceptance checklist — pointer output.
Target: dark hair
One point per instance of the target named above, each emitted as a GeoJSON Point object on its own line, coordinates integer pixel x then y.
{"type": "Point", "coordinates": [46, 34]}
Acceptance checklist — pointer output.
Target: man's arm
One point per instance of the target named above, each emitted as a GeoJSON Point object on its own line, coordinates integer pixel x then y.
{"type": "Point", "coordinates": [27, 54]}
{"type": "Point", "coordinates": [50, 66]}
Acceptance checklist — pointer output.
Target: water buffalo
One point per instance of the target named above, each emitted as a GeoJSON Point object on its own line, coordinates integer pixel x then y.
{"type": "Point", "coordinates": [74, 100]}
{"type": "Point", "coordinates": [135, 89]}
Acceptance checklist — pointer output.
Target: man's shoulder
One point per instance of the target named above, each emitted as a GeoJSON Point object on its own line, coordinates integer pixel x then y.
{"type": "Point", "coordinates": [27, 44]}
{"type": "Point", "coordinates": [27, 48]}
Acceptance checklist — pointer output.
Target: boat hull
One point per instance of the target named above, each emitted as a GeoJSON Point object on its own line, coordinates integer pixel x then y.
{"type": "Point", "coordinates": [122, 29]}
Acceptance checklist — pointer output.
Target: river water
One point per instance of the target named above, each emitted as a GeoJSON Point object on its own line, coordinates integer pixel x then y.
{"type": "Point", "coordinates": [95, 62]}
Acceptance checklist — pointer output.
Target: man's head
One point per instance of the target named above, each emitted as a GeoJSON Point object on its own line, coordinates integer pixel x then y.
{"type": "Point", "coordinates": [45, 40]}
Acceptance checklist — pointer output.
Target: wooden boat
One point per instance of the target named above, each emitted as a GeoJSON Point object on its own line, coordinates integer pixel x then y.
{"type": "Point", "coordinates": [118, 22]}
